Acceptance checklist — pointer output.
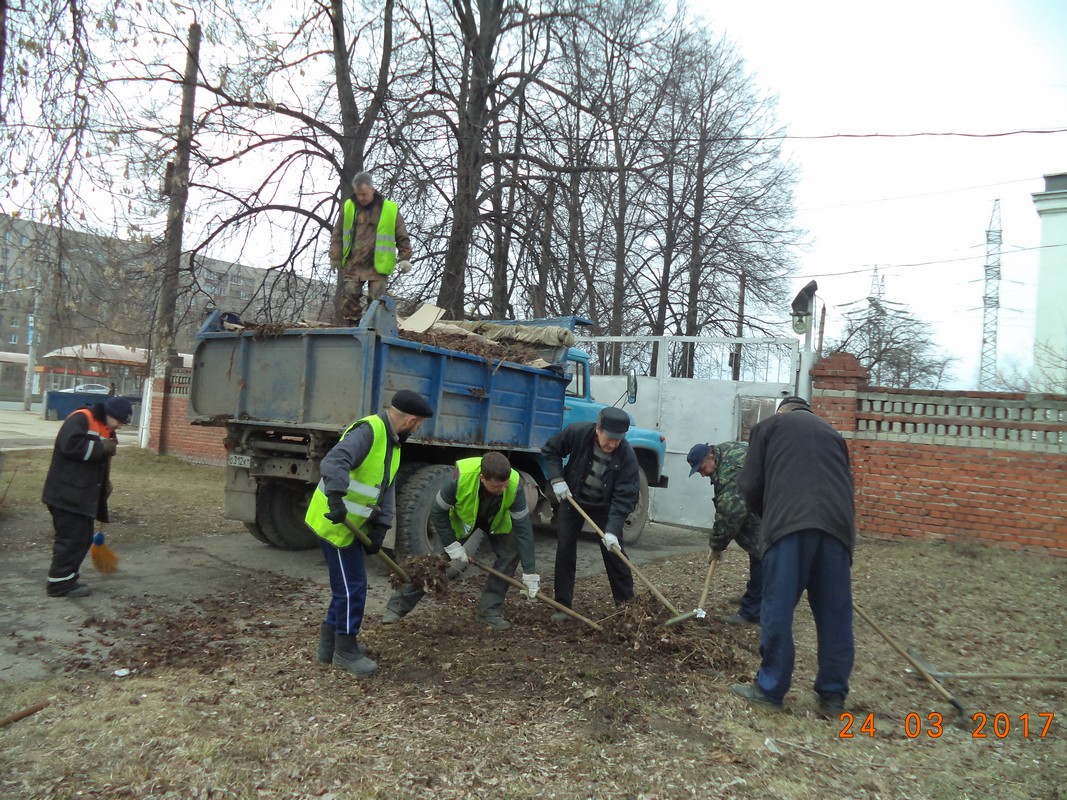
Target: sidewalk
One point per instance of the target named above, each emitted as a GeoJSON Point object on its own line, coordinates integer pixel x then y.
{"type": "Point", "coordinates": [26, 430]}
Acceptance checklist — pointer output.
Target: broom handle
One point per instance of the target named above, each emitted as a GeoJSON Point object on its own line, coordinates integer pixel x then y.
{"type": "Point", "coordinates": [714, 562]}
{"type": "Point", "coordinates": [625, 560]}
{"type": "Point", "coordinates": [364, 539]}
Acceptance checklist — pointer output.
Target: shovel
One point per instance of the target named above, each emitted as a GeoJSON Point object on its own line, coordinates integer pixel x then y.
{"type": "Point", "coordinates": [699, 611]}
{"type": "Point", "coordinates": [622, 557]}
{"type": "Point", "coordinates": [543, 598]}
{"type": "Point", "coordinates": [364, 539]}
{"type": "Point", "coordinates": [961, 719]}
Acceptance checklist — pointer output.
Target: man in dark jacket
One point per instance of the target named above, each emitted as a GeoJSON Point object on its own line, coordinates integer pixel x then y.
{"type": "Point", "coordinates": [603, 476]}
{"type": "Point", "coordinates": [77, 487]}
{"type": "Point", "coordinates": [733, 521]}
{"type": "Point", "coordinates": [797, 477]}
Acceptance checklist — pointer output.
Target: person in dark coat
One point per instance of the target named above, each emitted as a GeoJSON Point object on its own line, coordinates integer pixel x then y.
{"type": "Point", "coordinates": [603, 476]}
{"type": "Point", "coordinates": [77, 487]}
{"type": "Point", "coordinates": [797, 477]}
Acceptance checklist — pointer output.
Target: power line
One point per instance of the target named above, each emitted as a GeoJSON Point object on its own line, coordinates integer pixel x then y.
{"type": "Point", "coordinates": [866, 269]}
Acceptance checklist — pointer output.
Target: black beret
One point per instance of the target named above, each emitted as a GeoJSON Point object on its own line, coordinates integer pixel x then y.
{"type": "Point", "coordinates": [412, 403]}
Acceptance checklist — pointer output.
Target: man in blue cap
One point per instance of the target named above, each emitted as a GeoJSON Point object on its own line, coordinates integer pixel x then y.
{"type": "Point", "coordinates": [722, 463]}
{"type": "Point", "coordinates": [77, 486]}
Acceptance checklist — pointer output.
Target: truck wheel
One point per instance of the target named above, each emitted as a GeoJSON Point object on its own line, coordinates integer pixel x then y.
{"type": "Point", "coordinates": [280, 510]}
{"type": "Point", "coordinates": [414, 500]}
{"type": "Point", "coordinates": [635, 523]}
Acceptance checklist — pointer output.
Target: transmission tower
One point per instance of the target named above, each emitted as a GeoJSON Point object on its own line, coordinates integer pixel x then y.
{"type": "Point", "coordinates": [876, 324]}
{"type": "Point", "coordinates": [987, 372]}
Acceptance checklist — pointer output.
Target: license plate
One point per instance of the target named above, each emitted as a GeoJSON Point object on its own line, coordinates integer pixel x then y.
{"type": "Point", "coordinates": [235, 460]}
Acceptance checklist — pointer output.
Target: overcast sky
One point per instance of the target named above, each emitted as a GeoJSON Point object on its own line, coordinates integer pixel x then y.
{"type": "Point", "coordinates": [918, 208]}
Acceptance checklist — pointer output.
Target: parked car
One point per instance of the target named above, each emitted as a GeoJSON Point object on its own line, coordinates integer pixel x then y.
{"type": "Point", "coordinates": [89, 388]}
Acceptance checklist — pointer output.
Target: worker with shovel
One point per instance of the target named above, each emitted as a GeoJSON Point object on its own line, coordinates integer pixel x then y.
{"type": "Point", "coordinates": [798, 479]}
{"type": "Point", "coordinates": [487, 495]}
{"type": "Point", "coordinates": [357, 492]}
{"type": "Point", "coordinates": [722, 463]}
{"type": "Point", "coordinates": [603, 475]}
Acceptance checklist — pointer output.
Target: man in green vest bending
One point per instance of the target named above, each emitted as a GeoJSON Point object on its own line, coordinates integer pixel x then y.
{"type": "Point", "coordinates": [369, 241]}
{"type": "Point", "coordinates": [357, 488]}
{"type": "Point", "coordinates": [485, 494]}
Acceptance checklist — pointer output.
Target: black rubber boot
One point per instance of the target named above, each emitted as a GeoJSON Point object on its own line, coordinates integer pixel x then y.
{"type": "Point", "coordinates": [326, 634]}
{"type": "Point", "coordinates": [351, 656]}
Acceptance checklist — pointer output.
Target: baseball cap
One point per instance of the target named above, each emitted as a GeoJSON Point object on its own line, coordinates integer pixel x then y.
{"type": "Point", "coordinates": [697, 453]}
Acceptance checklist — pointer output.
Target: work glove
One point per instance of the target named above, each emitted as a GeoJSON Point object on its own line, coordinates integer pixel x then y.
{"type": "Point", "coordinates": [562, 490]}
{"type": "Point", "coordinates": [611, 540]}
{"type": "Point", "coordinates": [457, 554]}
{"type": "Point", "coordinates": [109, 446]}
{"type": "Point", "coordinates": [376, 536]}
{"type": "Point", "coordinates": [533, 585]}
{"type": "Point", "coordinates": [337, 512]}
{"type": "Point", "coordinates": [404, 266]}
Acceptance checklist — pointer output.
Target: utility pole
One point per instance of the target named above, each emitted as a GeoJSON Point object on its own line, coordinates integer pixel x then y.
{"type": "Point", "coordinates": [987, 371]}
{"type": "Point", "coordinates": [177, 187]}
{"type": "Point", "coordinates": [736, 355]}
{"type": "Point", "coordinates": [31, 349]}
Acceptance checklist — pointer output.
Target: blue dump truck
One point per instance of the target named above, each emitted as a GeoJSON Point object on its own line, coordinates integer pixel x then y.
{"type": "Point", "coordinates": [285, 395]}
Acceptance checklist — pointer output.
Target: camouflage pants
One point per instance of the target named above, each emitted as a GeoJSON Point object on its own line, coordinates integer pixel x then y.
{"type": "Point", "coordinates": [351, 309]}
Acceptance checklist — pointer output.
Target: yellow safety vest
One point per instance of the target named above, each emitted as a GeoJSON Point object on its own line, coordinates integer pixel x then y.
{"type": "Point", "coordinates": [465, 512]}
{"type": "Point", "coordinates": [384, 240]}
{"type": "Point", "coordinates": [366, 482]}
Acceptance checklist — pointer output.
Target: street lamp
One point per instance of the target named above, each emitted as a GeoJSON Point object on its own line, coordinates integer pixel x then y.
{"type": "Point", "coordinates": [31, 351]}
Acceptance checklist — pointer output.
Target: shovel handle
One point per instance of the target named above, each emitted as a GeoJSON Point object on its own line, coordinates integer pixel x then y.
{"type": "Point", "coordinates": [918, 667]}
{"type": "Point", "coordinates": [543, 598]}
{"type": "Point", "coordinates": [622, 557]}
{"type": "Point", "coordinates": [364, 539]}
{"type": "Point", "coordinates": [713, 562]}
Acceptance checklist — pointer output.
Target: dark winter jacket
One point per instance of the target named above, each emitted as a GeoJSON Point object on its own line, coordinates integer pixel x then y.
{"type": "Point", "coordinates": [77, 479]}
{"type": "Point", "coordinates": [797, 477]}
{"type": "Point", "coordinates": [622, 481]}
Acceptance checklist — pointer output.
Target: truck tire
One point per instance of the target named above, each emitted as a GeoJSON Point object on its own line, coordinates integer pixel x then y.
{"type": "Point", "coordinates": [280, 510]}
{"type": "Point", "coordinates": [257, 533]}
{"type": "Point", "coordinates": [635, 523]}
{"type": "Point", "coordinates": [414, 499]}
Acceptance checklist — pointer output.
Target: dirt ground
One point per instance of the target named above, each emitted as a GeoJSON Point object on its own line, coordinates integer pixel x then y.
{"type": "Point", "coordinates": [190, 673]}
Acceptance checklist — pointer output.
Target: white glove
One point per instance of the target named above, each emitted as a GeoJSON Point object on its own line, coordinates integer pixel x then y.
{"type": "Point", "coordinates": [457, 553]}
{"type": "Point", "coordinates": [562, 490]}
{"type": "Point", "coordinates": [404, 266]}
{"type": "Point", "coordinates": [533, 585]}
{"type": "Point", "coordinates": [611, 540]}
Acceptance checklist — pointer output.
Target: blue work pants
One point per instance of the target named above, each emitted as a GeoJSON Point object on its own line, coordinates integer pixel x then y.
{"type": "Point", "coordinates": [348, 585]}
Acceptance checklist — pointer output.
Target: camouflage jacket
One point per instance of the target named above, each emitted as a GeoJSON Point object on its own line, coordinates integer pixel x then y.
{"type": "Point", "coordinates": [733, 521]}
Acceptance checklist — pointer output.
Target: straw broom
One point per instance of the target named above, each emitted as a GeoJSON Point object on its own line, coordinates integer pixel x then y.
{"type": "Point", "coordinates": [105, 560]}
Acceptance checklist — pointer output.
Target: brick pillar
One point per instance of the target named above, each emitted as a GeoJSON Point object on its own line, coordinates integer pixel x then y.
{"type": "Point", "coordinates": [835, 381]}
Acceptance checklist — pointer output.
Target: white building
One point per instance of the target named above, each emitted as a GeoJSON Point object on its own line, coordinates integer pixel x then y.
{"type": "Point", "coordinates": [1050, 333]}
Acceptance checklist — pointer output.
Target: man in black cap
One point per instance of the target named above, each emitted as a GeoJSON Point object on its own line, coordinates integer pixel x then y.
{"type": "Point", "coordinates": [733, 521]}
{"type": "Point", "coordinates": [603, 476]}
{"type": "Point", "coordinates": [357, 487]}
{"type": "Point", "coordinates": [798, 479]}
{"type": "Point", "coordinates": [77, 487]}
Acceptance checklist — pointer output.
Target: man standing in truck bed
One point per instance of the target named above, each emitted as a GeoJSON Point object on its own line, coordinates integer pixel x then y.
{"type": "Point", "coordinates": [369, 240]}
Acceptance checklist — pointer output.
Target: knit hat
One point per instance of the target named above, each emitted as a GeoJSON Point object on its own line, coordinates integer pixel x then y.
{"type": "Point", "coordinates": [119, 408]}
{"type": "Point", "coordinates": [697, 453]}
{"type": "Point", "coordinates": [614, 422]}
{"type": "Point", "coordinates": [413, 403]}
